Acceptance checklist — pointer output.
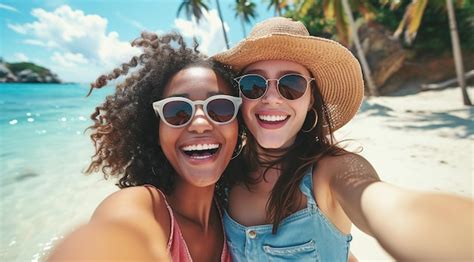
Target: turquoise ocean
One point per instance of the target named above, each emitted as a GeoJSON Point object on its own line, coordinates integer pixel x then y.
{"type": "Point", "coordinates": [44, 150]}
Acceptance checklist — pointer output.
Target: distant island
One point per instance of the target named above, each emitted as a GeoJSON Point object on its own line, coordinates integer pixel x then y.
{"type": "Point", "coordinates": [26, 72]}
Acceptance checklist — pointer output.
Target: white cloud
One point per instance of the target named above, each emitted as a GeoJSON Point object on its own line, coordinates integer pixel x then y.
{"type": "Point", "coordinates": [208, 32]}
{"type": "Point", "coordinates": [8, 7]}
{"type": "Point", "coordinates": [132, 22]}
{"type": "Point", "coordinates": [69, 59]}
{"type": "Point", "coordinates": [49, 44]}
{"type": "Point", "coordinates": [76, 38]}
{"type": "Point", "coordinates": [20, 57]}
{"type": "Point", "coordinates": [18, 28]}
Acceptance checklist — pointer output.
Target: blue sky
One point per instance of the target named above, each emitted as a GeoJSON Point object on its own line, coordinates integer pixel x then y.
{"type": "Point", "coordinates": [80, 39]}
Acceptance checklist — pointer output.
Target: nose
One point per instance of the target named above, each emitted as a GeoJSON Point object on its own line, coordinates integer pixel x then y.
{"type": "Point", "coordinates": [272, 95]}
{"type": "Point", "coordinates": [200, 123]}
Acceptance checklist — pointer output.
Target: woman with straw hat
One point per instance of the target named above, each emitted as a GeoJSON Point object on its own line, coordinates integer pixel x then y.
{"type": "Point", "coordinates": [299, 193]}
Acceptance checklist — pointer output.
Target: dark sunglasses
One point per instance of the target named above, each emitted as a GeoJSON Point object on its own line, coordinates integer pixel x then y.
{"type": "Point", "coordinates": [291, 86]}
{"type": "Point", "coordinates": [178, 111]}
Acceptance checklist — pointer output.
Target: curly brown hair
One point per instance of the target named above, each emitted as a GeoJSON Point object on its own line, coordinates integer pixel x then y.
{"type": "Point", "coordinates": [125, 130]}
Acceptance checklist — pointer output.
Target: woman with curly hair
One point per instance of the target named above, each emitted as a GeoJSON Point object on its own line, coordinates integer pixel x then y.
{"type": "Point", "coordinates": [169, 132]}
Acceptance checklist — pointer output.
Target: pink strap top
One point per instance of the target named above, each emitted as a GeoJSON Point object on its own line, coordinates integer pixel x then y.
{"type": "Point", "coordinates": [177, 246]}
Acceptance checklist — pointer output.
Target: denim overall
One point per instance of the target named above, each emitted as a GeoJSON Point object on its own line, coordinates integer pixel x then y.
{"type": "Point", "coordinates": [306, 235]}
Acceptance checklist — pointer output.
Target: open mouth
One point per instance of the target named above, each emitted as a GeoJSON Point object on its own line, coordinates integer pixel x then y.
{"type": "Point", "coordinates": [200, 151]}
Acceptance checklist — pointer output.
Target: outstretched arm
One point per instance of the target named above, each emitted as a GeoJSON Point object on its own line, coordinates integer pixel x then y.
{"type": "Point", "coordinates": [409, 225]}
{"type": "Point", "coordinates": [132, 224]}
{"type": "Point", "coordinates": [104, 242]}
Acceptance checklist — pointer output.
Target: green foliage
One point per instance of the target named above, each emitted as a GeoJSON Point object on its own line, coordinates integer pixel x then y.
{"type": "Point", "coordinates": [245, 9]}
{"type": "Point", "coordinates": [18, 67]}
{"type": "Point", "coordinates": [434, 34]}
{"type": "Point", "coordinates": [314, 20]}
{"type": "Point", "coordinates": [192, 8]}
{"type": "Point", "coordinates": [465, 19]}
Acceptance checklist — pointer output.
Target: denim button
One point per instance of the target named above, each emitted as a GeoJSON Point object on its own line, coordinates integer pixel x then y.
{"type": "Point", "coordinates": [252, 234]}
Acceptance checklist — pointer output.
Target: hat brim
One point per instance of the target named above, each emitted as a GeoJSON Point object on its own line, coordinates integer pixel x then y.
{"type": "Point", "coordinates": [337, 72]}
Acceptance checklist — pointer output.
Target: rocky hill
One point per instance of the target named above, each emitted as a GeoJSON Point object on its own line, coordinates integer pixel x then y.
{"type": "Point", "coordinates": [26, 73]}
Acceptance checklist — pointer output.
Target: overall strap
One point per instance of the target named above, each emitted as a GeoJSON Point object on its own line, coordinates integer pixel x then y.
{"type": "Point", "coordinates": [306, 188]}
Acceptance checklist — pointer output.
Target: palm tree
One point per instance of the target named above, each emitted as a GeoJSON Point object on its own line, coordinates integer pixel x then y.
{"type": "Point", "coordinates": [341, 12]}
{"type": "Point", "coordinates": [334, 9]}
{"type": "Point", "coordinates": [303, 6]}
{"type": "Point", "coordinates": [245, 10]}
{"type": "Point", "coordinates": [222, 24]}
{"type": "Point", "coordinates": [193, 11]}
{"type": "Point", "coordinates": [457, 53]}
{"type": "Point", "coordinates": [278, 5]}
{"type": "Point", "coordinates": [411, 20]}
{"type": "Point", "coordinates": [360, 53]}
{"type": "Point", "coordinates": [411, 23]}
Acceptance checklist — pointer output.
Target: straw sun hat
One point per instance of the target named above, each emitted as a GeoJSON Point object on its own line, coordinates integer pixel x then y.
{"type": "Point", "coordinates": [336, 70]}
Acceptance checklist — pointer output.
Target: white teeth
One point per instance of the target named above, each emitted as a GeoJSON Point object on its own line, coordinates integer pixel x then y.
{"type": "Point", "coordinates": [201, 157]}
{"type": "Point", "coordinates": [199, 147]}
{"type": "Point", "coordinates": [272, 118]}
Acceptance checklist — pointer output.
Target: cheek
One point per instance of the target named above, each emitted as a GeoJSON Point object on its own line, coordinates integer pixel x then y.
{"type": "Point", "coordinates": [231, 133]}
{"type": "Point", "coordinates": [167, 138]}
{"type": "Point", "coordinates": [246, 109]}
{"type": "Point", "coordinates": [161, 133]}
{"type": "Point", "coordinates": [303, 106]}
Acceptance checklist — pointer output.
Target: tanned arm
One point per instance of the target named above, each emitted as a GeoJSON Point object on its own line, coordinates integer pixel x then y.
{"type": "Point", "coordinates": [409, 225]}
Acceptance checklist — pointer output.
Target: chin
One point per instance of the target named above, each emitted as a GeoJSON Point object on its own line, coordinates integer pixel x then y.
{"type": "Point", "coordinates": [274, 141]}
{"type": "Point", "coordinates": [203, 179]}
{"type": "Point", "coordinates": [206, 183]}
{"type": "Point", "coordinates": [271, 144]}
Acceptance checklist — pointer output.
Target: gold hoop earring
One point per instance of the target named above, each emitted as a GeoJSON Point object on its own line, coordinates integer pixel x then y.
{"type": "Point", "coordinates": [315, 121]}
{"type": "Point", "coordinates": [240, 146]}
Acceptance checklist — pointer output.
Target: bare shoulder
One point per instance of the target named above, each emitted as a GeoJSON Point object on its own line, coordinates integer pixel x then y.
{"type": "Point", "coordinates": [348, 167]}
{"type": "Point", "coordinates": [331, 177]}
{"type": "Point", "coordinates": [340, 181]}
{"type": "Point", "coordinates": [136, 218]}
{"type": "Point", "coordinates": [130, 202]}
{"type": "Point", "coordinates": [140, 208]}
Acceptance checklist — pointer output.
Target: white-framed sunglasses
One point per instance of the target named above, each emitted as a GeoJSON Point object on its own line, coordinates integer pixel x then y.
{"type": "Point", "coordinates": [179, 111]}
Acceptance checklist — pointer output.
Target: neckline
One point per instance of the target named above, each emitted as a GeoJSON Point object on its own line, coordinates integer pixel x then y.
{"type": "Point", "coordinates": [294, 216]}
{"type": "Point", "coordinates": [175, 226]}
{"type": "Point", "coordinates": [224, 246]}
{"type": "Point", "coordinates": [268, 227]}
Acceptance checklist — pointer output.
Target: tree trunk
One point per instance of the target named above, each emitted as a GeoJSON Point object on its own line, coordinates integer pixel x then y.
{"type": "Point", "coordinates": [194, 25]}
{"type": "Point", "coordinates": [457, 53]}
{"type": "Point", "coordinates": [360, 53]}
{"type": "Point", "coordinates": [242, 22]}
{"type": "Point", "coordinates": [222, 24]}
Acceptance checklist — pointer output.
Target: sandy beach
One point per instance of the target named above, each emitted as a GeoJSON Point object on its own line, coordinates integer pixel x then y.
{"type": "Point", "coordinates": [422, 141]}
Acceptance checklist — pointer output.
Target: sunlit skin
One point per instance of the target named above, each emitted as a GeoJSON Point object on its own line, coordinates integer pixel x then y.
{"type": "Point", "coordinates": [198, 83]}
{"type": "Point", "coordinates": [283, 134]}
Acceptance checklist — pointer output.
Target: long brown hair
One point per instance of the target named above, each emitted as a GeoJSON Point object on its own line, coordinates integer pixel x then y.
{"type": "Point", "coordinates": [305, 152]}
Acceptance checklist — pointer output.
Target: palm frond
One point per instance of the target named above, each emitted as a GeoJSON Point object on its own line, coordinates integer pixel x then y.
{"type": "Point", "coordinates": [411, 20]}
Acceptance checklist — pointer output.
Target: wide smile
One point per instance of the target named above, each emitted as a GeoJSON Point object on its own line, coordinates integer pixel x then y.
{"type": "Point", "coordinates": [201, 152]}
{"type": "Point", "coordinates": [272, 121]}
